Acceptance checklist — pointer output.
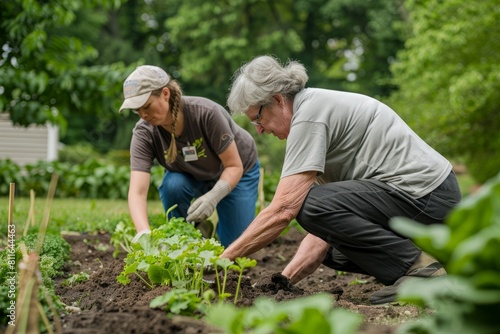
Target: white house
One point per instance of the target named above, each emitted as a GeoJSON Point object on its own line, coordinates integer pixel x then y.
{"type": "Point", "coordinates": [27, 145]}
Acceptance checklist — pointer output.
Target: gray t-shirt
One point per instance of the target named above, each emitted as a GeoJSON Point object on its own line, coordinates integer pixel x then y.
{"type": "Point", "coordinates": [208, 131]}
{"type": "Point", "coordinates": [348, 136]}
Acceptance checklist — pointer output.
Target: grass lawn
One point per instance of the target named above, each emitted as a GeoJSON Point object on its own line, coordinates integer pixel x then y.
{"type": "Point", "coordinates": [82, 215]}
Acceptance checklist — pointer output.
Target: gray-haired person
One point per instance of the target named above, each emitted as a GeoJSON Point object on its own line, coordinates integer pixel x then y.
{"type": "Point", "coordinates": [351, 164]}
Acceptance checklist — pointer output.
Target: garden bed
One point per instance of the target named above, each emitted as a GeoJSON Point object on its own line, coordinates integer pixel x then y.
{"type": "Point", "coordinates": [102, 305]}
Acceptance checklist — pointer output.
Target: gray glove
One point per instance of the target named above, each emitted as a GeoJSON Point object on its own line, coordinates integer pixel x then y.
{"type": "Point", "coordinates": [138, 235]}
{"type": "Point", "coordinates": [204, 206]}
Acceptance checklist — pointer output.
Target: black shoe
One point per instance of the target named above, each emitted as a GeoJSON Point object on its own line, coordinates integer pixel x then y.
{"type": "Point", "coordinates": [388, 294]}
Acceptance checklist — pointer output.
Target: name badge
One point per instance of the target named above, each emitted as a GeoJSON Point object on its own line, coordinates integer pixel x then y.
{"type": "Point", "coordinates": [190, 153]}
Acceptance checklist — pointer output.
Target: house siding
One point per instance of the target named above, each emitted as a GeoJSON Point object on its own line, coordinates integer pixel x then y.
{"type": "Point", "coordinates": [27, 145]}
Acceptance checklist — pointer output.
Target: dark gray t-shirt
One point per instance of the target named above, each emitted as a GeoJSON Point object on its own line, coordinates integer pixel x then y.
{"type": "Point", "coordinates": [348, 136]}
{"type": "Point", "coordinates": [208, 131]}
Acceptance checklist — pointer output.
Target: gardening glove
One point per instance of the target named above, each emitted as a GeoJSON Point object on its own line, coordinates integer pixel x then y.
{"type": "Point", "coordinates": [204, 206]}
{"type": "Point", "coordinates": [138, 235]}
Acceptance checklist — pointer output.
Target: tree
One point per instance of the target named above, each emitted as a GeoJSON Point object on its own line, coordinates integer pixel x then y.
{"type": "Point", "coordinates": [46, 73]}
{"type": "Point", "coordinates": [344, 44]}
{"type": "Point", "coordinates": [449, 78]}
{"type": "Point", "coordinates": [64, 61]}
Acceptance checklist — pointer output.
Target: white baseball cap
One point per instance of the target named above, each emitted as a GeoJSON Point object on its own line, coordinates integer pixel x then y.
{"type": "Point", "coordinates": [138, 86]}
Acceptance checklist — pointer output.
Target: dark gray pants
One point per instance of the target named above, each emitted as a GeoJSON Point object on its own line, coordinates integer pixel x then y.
{"type": "Point", "coordinates": [353, 216]}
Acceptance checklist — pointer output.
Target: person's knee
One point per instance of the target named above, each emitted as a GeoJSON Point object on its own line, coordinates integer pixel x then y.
{"type": "Point", "coordinates": [174, 183]}
{"type": "Point", "coordinates": [308, 211]}
{"type": "Point", "coordinates": [176, 188]}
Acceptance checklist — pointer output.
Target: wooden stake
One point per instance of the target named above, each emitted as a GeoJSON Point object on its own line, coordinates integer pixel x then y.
{"type": "Point", "coordinates": [11, 203]}
{"type": "Point", "coordinates": [28, 308]}
{"type": "Point", "coordinates": [31, 216]}
{"type": "Point", "coordinates": [46, 213]}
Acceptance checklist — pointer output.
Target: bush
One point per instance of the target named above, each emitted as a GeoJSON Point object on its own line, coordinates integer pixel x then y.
{"type": "Point", "coordinates": [78, 154]}
{"type": "Point", "coordinates": [468, 299]}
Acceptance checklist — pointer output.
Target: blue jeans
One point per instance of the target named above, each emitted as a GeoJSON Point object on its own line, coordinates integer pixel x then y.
{"type": "Point", "coordinates": [236, 211]}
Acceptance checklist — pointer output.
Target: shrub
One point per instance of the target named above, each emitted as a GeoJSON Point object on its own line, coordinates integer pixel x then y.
{"type": "Point", "coordinates": [468, 299]}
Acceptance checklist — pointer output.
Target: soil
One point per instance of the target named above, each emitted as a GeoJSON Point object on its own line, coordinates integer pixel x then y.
{"type": "Point", "coordinates": [102, 305]}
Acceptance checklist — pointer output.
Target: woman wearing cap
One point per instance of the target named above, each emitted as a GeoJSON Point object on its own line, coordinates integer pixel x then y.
{"type": "Point", "coordinates": [206, 156]}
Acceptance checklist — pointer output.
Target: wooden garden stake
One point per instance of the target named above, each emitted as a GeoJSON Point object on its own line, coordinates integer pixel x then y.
{"type": "Point", "coordinates": [31, 215]}
{"type": "Point", "coordinates": [11, 203]}
{"type": "Point", "coordinates": [28, 308]}
{"type": "Point", "coordinates": [27, 298]}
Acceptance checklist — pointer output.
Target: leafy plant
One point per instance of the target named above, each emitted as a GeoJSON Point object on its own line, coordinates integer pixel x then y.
{"type": "Point", "coordinates": [242, 264]}
{"type": "Point", "coordinates": [173, 254]}
{"type": "Point", "coordinates": [53, 245]}
{"type": "Point", "coordinates": [181, 301]}
{"type": "Point", "coordinates": [224, 263]}
{"type": "Point", "coordinates": [358, 281]}
{"type": "Point", "coordinates": [312, 314]}
{"type": "Point", "coordinates": [76, 278]}
{"type": "Point", "coordinates": [122, 237]}
{"type": "Point", "coordinates": [468, 299]}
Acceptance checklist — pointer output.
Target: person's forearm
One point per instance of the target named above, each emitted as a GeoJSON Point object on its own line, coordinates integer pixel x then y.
{"type": "Point", "coordinates": [138, 209]}
{"type": "Point", "coordinates": [232, 175]}
{"type": "Point", "coordinates": [308, 258]}
{"type": "Point", "coordinates": [271, 221]}
{"type": "Point", "coordinates": [263, 230]}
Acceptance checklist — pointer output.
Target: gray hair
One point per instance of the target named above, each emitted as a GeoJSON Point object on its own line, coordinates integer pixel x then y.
{"type": "Point", "coordinates": [256, 82]}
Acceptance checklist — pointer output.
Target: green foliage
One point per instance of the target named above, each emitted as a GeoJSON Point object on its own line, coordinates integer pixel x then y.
{"type": "Point", "coordinates": [71, 214]}
{"type": "Point", "coordinates": [64, 61]}
{"type": "Point", "coordinates": [181, 301]}
{"type": "Point", "coordinates": [338, 41]}
{"type": "Point", "coordinates": [10, 172]}
{"type": "Point", "coordinates": [468, 299]}
{"type": "Point", "coordinates": [54, 252]}
{"type": "Point", "coordinates": [448, 78]}
{"type": "Point", "coordinates": [77, 154]}
{"type": "Point", "coordinates": [45, 74]}
{"type": "Point", "coordinates": [53, 245]}
{"type": "Point", "coordinates": [91, 179]}
{"type": "Point", "coordinates": [225, 264]}
{"type": "Point", "coordinates": [312, 314]}
{"type": "Point", "coordinates": [173, 254]}
{"type": "Point", "coordinates": [122, 237]}
{"type": "Point", "coordinates": [241, 264]}
{"type": "Point", "coordinates": [75, 279]}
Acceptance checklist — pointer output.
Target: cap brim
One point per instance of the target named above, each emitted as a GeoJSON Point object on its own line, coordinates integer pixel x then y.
{"type": "Point", "coordinates": [135, 102]}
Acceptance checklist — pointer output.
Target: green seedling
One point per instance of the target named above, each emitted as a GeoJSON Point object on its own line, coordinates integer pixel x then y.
{"type": "Point", "coordinates": [180, 301]}
{"type": "Point", "coordinates": [172, 208]}
{"type": "Point", "coordinates": [358, 281]}
{"type": "Point", "coordinates": [101, 265]}
{"type": "Point", "coordinates": [122, 237]}
{"type": "Point", "coordinates": [76, 278]}
{"type": "Point", "coordinates": [224, 263]}
{"type": "Point", "coordinates": [96, 244]}
{"type": "Point", "coordinates": [242, 264]}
